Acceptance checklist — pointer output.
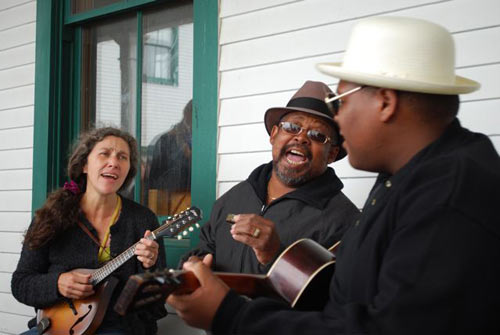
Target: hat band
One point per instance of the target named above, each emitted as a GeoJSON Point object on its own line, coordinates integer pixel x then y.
{"type": "Point", "coordinates": [310, 103]}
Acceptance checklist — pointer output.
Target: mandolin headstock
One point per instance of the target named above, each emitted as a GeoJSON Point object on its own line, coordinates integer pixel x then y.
{"type": "Point", "coordinates": [180, 224]}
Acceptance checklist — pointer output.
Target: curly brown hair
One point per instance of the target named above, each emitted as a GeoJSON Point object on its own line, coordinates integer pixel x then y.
{"type": "Point", "coordinates": [62, 208]}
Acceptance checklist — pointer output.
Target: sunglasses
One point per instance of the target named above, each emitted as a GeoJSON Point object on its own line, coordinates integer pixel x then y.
{"type": "Point", "coordinates": [334, 101]}
{"type": "Point", "coordinates": [295, 129]}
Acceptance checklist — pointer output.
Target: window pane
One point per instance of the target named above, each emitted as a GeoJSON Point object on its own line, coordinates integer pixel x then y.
{"type": "Point", "coordinates": [109, 75]}
{"type": "Point", "coordinates": [166, 108]}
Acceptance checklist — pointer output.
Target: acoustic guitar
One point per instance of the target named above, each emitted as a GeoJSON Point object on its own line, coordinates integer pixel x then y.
{"type": "Point", "coordinates": [299, 277]}
{"type": "Point", "coordinates": [83, 316]}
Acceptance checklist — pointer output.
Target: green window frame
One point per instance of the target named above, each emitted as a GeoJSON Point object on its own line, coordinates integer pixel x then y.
{"type": "Point", "coordinates": [57, 95]}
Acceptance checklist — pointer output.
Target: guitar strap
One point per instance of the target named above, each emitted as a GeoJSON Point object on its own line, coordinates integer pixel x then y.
{"type": "Point", "coordinates": [86, 230]}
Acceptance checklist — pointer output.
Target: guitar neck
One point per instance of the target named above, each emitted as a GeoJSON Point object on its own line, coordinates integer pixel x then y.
{"type": "Point", "coordinates": [250, 285]}
{"type": "Point", "coordinates": [103, 272]}
{"type": "Point", "coordinates": [170, 228]}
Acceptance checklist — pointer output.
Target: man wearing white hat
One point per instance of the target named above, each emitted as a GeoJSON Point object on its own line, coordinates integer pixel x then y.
{"type": "Point", "coordinates": [423, 258]}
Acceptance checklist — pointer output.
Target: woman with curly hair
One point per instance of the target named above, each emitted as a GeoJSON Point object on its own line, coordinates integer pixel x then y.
{"type": "Point", "coordinates": [85, 224]}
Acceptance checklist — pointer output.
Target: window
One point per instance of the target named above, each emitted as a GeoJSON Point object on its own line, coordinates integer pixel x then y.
{"type": "Point", "coordinates": [90, 70]}
{"type": "Point", "coordinates": [160, 56]}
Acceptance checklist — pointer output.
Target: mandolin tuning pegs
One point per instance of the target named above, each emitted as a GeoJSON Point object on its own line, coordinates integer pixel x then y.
{"type": "Point", "coordinates": [191, 228]}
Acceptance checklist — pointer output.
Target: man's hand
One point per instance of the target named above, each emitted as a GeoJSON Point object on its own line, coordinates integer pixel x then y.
{"type": "Point", "coordinates": [258, 233]}
{"type": "Point", "coordinates": [75, 284]}
{"type": "Point", "coordinates": [147, 251]}
{"type": "Point", "coordinates": [198, 308]}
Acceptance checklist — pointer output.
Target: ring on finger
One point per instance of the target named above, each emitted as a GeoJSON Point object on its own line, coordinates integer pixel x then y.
{"type": "Point", "coordinates": [256, 233]}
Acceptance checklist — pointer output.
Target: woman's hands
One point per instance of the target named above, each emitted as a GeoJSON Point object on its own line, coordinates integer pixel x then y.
{"type": "Point", "coordinates": [147, 251]}
{"type": "Point", "coordinates": [75, 284]}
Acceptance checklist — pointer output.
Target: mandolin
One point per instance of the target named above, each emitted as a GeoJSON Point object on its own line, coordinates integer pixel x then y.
{"type": "Point", "coordinates": [298, 277]}
{"type": "Point", "coordinates": [83, 316]}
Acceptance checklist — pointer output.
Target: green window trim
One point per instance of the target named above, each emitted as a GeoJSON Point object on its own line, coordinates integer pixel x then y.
{"type": "Point", "coordinates": [124, 5]}
{"type": "Point", "coordinates": [57, 94]}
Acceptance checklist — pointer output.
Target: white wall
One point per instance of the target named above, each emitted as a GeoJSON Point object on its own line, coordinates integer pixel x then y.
{"type": "Point", "coordinates": [268, 49]}
{"type": "Point", "coordinates": [17, 73]}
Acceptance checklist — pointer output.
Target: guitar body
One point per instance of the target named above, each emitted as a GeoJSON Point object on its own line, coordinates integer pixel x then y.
{"type": "Point", "coordinates": [89, 312]}
{"type": "Point", "coordinates": [301, 274]}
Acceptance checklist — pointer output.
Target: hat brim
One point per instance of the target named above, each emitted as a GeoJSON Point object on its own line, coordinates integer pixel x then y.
{"type": "Point", "coordinates": [274, 115]}
{"type": "Point", "coordinates": [460, 86]}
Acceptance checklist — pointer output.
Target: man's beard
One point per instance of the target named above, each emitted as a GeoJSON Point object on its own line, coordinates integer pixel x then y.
{"type": "Point", "coordinates": [288, 175]}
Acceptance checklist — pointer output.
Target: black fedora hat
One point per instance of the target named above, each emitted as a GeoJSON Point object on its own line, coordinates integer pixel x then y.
{"type": "Point", "coordinates": [310, 98]}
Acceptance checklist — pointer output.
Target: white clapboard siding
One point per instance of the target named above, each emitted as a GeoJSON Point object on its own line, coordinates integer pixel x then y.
{"type": "Point", "coordinates": [14, 323]}
{"type": "Point", "coordinates": [6, 4]}
{"type": "Point", "coordinates": [15, 179]}
{"type": "Point", "coordinates": [250, 109]}
{"type": "Point", "coordinates": [16, 159]}
{"type": "Point", "coordinates": [478, 116]}
{"type": "Point", "coordinates": [13, 306]}
{"type": "Point", "coordinates": [16, 117]}
{"type": "Point", "coordinates": [19, 201]}
{"type": "Point", "coordinates": [14, 221]}
{"type": "Point", "coordinates": [468, 43]}
{"type": "Point", "coordinates": [17, 97]}
{"type": "Point", "coordinates": [21, 55]}
{"type": "Point", "coordinates": [17, 76]}
{"type": "Point", "coordinates": [243, 138]}
{"type": "Point", "coordinates": [9, 262]}
{"type": "Point", "coordinates": [11, 242]}
{"type": "Point", "coordinates": [17, 36]}
{"type": "Point", "coordinates": [18, 15]}
{"type": "Point", "coordinates": [284, 47]}
{"type": "Point", "coordinates": [273, 77]}
{"type": "Point", "coordinates": [235, 7]}
{"type": "Point", "coordinates": [5, 278]}
{"type": "Point", "coordinates": [304, 14]}
{"type": "Point", "coordinates": [454, 15]}
{"type": "Point", "coordinates": [16, 138]}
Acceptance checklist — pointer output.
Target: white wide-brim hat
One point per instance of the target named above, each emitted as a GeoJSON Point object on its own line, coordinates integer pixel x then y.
{"type": "Point", "coordinates": [401, 53]}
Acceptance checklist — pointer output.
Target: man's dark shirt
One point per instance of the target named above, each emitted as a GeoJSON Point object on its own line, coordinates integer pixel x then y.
{"type": "Point", "coordinates": [423, 258]}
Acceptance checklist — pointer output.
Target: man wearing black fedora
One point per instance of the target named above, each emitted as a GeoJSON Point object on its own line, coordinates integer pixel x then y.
{"type": "Point", "coordinates": [423, 257]}
{"type": "Point", "coordinates": [294, 196]}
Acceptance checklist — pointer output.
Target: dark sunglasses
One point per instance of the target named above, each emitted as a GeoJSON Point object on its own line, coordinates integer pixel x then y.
{"type": "Point", "coordinates": [295, 129]}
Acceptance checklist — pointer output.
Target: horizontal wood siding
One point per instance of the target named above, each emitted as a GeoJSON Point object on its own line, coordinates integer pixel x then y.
{"type": "Point", "coordinates": [269, 48]}
{"type": "Point", "coordinates": [17, 78]}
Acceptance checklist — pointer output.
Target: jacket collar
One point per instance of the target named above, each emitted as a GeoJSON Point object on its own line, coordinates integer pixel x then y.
{"type": "Point", "coordinates": [316, 192]}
